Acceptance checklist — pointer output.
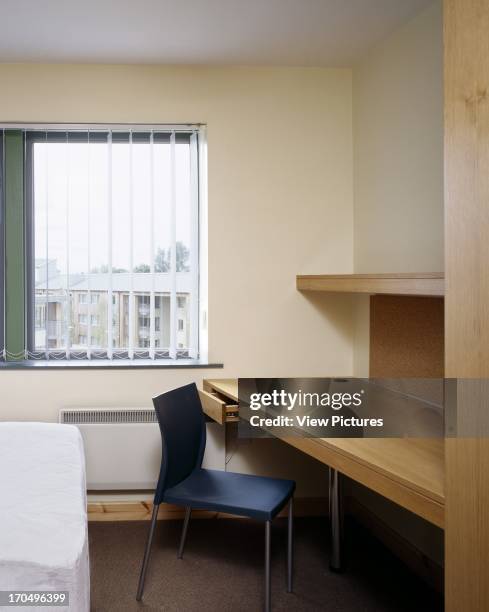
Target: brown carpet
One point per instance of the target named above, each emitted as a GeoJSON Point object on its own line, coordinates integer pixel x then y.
{"type": "Point", "coordinates": [222, 570]}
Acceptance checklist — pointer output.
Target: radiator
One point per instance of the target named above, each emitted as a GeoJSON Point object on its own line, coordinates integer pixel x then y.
{"type": "Point", "coordinates": [123, 446]}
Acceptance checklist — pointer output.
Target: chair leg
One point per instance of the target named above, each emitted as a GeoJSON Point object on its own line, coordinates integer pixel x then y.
{"type": "Point", "coordinates": [147, 552]}
{"type": "Point", "coordinates": [290, 546]}
{"type": "Point", "coordinates": [268, 532]}
{"type": "Point", "coordinates": [186, 520]}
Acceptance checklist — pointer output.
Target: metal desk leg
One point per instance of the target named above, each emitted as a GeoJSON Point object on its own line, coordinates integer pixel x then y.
{"type": "Point", "coordinates": [268, 575]}
{"type": "Point", "coordinates": [336, 518]}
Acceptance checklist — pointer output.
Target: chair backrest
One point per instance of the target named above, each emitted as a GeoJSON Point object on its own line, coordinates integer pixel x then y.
{"type": "Point", "coordinates": [183, 435]}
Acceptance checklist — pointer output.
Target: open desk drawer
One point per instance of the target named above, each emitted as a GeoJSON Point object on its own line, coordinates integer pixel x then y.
{"type": "Point", "coordinates": [218, 407]}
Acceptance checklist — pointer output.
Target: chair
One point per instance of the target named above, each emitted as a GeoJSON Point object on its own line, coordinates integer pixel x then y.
{"type": "Point", "coordinates": [184, 482]}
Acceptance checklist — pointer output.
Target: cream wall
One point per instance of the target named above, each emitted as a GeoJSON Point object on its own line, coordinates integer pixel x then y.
{"type": "Point", "coordinates": [280, 203]}
{"type": "Point", "coordinates": [398, 150]}
{"type": "Point", "coordinates": [398, 159]}
{"type": "Point", "coordinates": [398, 195]}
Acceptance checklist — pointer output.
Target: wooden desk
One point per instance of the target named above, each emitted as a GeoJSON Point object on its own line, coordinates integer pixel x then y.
{"type": "Point", "coordinates": [410, 472]}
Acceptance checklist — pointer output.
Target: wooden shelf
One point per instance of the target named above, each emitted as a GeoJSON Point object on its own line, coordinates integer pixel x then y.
{"type": "Point", "coordinates": [432, 284]}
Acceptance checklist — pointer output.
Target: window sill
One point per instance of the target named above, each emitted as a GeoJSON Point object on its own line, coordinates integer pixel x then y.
{"type": "Point", "coordinates": [106, 364]}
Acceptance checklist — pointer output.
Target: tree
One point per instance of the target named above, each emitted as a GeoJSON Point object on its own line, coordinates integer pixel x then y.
{"type": "Point", "coordinates": [161, 262]}
{"type": "Point", "coordinates": [182, 257]}
{"type": "Point", "coordinates": [142, 268]}
{"type": "Point", "coordinates": [103, 269]}
{"type": "Point", "coordinates": [163, 258]}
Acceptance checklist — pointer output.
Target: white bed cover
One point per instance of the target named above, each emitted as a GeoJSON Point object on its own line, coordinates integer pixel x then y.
{"type": "Point", "coordinates": [43, 519]}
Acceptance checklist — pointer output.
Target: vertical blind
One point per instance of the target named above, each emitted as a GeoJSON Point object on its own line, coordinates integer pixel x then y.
{"type": "Point", "coordinates": [111, 243]}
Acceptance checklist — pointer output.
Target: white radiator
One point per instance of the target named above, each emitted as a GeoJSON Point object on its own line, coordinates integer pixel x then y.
{"type": "Point", "coordinates": [123, 446]}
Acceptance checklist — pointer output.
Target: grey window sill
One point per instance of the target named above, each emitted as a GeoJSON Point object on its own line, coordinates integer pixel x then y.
{"type": "Point", "coordinates": [106, 364]}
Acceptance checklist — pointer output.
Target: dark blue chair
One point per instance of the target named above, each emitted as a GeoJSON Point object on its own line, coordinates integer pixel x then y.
{"type": "Point", "coordinates": [184, 482]}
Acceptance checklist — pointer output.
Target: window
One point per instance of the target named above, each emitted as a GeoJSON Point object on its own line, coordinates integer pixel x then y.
{"type": "Point", "coordinates": [40, 316]}
{"type": "Point", "coordinates": [144, 322]}
{"type": "Point", "coordinates": [111, 241]}
{"type": "Point", "coordinates": [180, 324]}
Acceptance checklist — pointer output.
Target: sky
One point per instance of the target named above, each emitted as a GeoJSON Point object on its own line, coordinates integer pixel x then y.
{"type": "Point", "coordinates": [71, 202]}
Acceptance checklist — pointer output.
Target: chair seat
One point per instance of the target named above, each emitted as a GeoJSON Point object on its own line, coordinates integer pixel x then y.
{"type": "Point", "coordinates": [256, 497]}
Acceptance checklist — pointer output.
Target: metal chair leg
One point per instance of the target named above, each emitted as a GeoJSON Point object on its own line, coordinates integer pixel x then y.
{"type": "Point", "coordinates": [186, 520]}
{"type": "Point", "coordinates": [268, 532]}
{"type": "Point", "coordinates": [147, 552]}
{"type": "Point", "coordinates": [290, 546]}
{"type": "Point", "coordinates": [336, 517]}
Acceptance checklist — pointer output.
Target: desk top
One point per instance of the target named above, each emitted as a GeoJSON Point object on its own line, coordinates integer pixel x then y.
{"type": "Point", "coordinates": [226, 386]}
{"type": "Point", "coordinates": [410, 471]}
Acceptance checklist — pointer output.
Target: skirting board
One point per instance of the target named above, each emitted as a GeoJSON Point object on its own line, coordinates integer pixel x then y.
{"type": "Point", "coordinates": [141, 510]}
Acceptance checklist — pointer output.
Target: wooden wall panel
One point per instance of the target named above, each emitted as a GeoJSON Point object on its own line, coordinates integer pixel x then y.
{"type": "Point", "coordinates": [406, 337]}
{"type": "Point", "coordinates": [466, 44]}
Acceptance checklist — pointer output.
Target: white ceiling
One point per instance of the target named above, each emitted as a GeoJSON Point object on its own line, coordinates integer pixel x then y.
{"type": "Point", "coordinates": [275, 32]}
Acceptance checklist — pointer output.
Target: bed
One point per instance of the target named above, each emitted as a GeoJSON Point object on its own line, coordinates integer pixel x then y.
{"type": "Point", "coordinates": [43, 519]}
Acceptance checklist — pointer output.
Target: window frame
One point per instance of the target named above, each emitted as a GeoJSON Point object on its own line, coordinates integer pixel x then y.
{"type": "Point", "coordinates": [199, 130]}
{"type": "Point", "coordinates": [2, 247]}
